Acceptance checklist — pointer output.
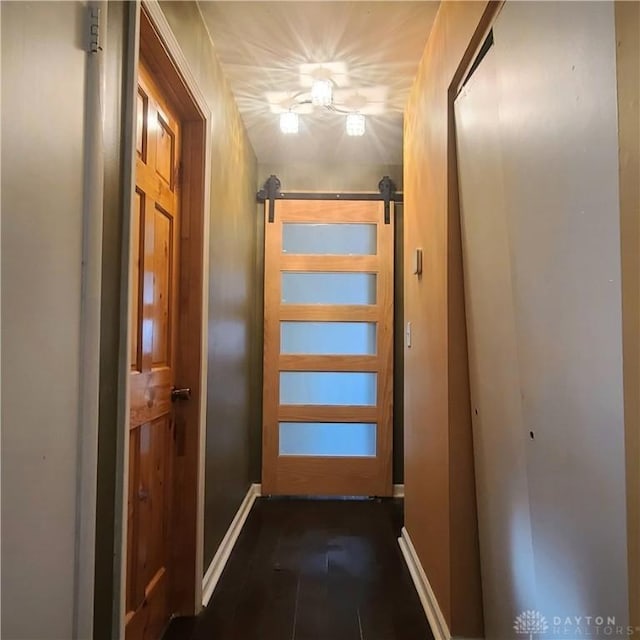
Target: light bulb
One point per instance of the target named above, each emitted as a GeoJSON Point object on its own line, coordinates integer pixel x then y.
{"type": "Point", "coordinates": [289, 122]}
{"type": "Point", "coordinates": [355, 124]}
{"type": "Point", "coordinates": [321, 93]}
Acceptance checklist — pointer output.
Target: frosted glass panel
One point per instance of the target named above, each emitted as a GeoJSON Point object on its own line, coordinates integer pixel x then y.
{"type": "Point", "coordinates": [327, 439]}
{"type": "Point", "coordinates": [335, 239]}
{"type": "Point", "coordinates": [328, 288]}
{"type": "Point", "coordinates": [328, 387]}
{"type": "Point", "coordinates": [328, 338]}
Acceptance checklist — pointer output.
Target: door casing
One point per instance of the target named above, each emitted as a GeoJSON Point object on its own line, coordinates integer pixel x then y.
{"type": "Point", "coordinates": [151, 37]}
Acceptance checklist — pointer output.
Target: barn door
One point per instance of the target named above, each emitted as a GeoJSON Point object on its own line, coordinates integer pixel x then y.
{"type": "Point", "coordinates": [328, 359]}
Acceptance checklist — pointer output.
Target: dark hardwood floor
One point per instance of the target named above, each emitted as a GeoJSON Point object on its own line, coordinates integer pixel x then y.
{"type": "Point", "coordinates": [313, 570]}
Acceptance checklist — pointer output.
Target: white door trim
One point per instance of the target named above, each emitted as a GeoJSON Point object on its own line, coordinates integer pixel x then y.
{"type": "Point", "coordinates": [89, 364]}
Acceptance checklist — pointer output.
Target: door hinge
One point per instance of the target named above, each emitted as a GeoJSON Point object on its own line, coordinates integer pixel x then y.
{"type": "Point", "coordinates": [95, 36]}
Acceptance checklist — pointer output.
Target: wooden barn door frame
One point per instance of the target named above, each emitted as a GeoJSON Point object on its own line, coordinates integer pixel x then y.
{"type": "Point", "coordinates": [151, 38]}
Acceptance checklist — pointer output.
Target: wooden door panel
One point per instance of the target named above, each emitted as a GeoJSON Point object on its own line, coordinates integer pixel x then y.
{"type": "Point", "coordinates": [154, 186]}
{"type": "Point", "coordinates": [149, 620]}
{"type": "Point", "coordinates": [320, 413]}
{"type": "Point", "coordinates": [329, 313]}
{"type": "Point", "coordinates": [141, 122]}
{"type": "Point", "coordinates": [165, 161]}
{"type": "Point", "coordinates": [156, 606]}
{"type": "Point", "coordinates": [162, 290]}
{"type": "Point", "coordinates": [326, 211]}
{"type": "Point", "coordinates": [147, 540]}
{"type": "Point", "coordinates": [136, 288]}
{"type": "Point", "coordinates": [329, 469]}
{"type": "Point", "coordinates": [132, 601]}
{"type": "Point", "coordinates": [307, 475]}
{"type": "Point", "coordinates": [294, 262]}
{"type": "Point", "coordinates": [304, 362]}
{"type": "Point", "coordinates": [151, 424]}
{"type": "Point", "coordinates": [150, 395]}
{"type": "Point", "coordinates": [151, 536]}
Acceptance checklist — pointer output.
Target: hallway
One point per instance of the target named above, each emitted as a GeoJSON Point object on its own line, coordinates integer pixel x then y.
{"type": "Point", "coordinates": [178, 182]}
{"type": "Point", "coordinates": [314, 570]}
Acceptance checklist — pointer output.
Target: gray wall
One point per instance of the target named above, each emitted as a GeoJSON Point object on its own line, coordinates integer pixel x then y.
{"type": "Point", "coordinates": [331, 177]}
{"type": "Point", "coordinates": [42, 160]}
{"type": "Point", "coordinates": [234, 381]}
{"type": "Point", "coordinates": [353, 177]}
{"type": "Point", "coordinates": [538, 164]}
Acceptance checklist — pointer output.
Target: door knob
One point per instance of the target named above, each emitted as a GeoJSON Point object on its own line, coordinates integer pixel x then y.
{"type": "Point", "coordinates": [180, 394]}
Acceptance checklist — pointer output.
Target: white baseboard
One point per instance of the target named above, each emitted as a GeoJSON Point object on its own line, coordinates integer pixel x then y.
{"type": "Point", "coordinates": [398, 491]}
{"type": "Point", "coordinates": [427, 597]}
{"type": "Point", "coordinates": [221, 556]}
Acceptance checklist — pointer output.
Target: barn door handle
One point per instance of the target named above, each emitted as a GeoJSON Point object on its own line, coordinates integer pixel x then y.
{"type": "Point", "coordinates": [180, 394]}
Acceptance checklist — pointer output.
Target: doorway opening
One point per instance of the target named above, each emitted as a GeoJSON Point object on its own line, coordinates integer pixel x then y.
{"type": "Point", "coordinates": [162, 529]}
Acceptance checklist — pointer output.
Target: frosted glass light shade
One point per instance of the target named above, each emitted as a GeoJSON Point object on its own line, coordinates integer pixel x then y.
{"type": "Point", "coordinates": [321, 93]}
{"type": "Point", "coordinates": [289, 122]}
{"type": "Point", "coordinates": [355, 124]}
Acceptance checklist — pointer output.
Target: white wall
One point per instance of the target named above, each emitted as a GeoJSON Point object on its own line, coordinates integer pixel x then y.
{"type": "Point", "coordinates": [555, 100]}
{"type": "Point", "coordinates": [561, 158]}
{"type": "Point", "coordinates": [506, 545]}
{"type": "Point", "coordinates": [43, 68]}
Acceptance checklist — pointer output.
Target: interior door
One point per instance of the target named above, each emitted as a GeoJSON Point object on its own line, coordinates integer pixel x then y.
{"type": "Point", "coordinates": [153, 327]}
{"type": "Point", "coordinates": [328, 349]}
{"type": "Point", "coordinates": [496, 391]}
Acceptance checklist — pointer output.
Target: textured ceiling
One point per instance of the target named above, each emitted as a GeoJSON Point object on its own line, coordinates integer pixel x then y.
{"type": "Point", "coordinates": [269, 49]}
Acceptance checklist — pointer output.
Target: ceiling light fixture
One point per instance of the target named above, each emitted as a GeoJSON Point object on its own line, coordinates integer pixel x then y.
{"type": "Point", "coordinates": [289, 122]}
{"type": "Point", "coordinates": [321, 93]}
{"type": "Point", "coordinates": [355, 124]}
{"type": "Point", "coordinates": [350, 103]}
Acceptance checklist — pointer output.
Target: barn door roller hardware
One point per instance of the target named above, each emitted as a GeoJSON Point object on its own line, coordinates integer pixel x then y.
{"type": "Point", "coordinates": [271, 192]}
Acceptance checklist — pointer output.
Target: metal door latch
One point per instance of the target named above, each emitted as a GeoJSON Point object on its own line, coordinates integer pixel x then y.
{"type": "Point", "coordinates": [180, 394]}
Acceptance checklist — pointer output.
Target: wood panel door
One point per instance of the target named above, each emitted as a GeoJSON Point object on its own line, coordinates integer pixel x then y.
{"type": "Point", "coordinates": [153, 320]}
{"type": "Point", "coordinates": [328, 349]}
